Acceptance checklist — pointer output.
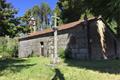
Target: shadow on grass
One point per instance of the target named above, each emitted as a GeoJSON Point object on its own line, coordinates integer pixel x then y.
{"type": "Point", "coordinates": [103, 66]}
{"type": "Point", "coordinates": [58, 75]}
{"type": "Point", "coordinates": [13, 65]}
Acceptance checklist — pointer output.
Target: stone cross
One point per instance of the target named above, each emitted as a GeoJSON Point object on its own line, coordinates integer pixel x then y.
{"type": "Point", "coordinates": [55, 55]}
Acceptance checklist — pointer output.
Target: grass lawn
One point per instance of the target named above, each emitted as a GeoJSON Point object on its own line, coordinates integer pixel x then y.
{"type": "Point", "coordinates": [38, 68]}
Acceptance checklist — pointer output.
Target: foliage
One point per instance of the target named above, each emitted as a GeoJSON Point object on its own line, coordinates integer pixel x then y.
{"type": "Point", "coordinates": [8, 47]}
{"type": "Point", "coordinates": [71, 10]}
{"type": "Point", "coordinates": [61, 53]}
{"type": "Point", "coordinates": [33, 54]}
{"type": "Point", "coordinates": [45, 12]}
{"type": "Point", "coordinates": [41, 13]}
{"type": "Point", "coordinates": [58, 12]}
{"type": "Point", "coordinates": [35, 11]}
{"type": "Point", "coordinates": [7, 19]}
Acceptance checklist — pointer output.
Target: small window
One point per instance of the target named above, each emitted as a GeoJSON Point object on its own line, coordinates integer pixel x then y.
{"type": "Point", "coordinates": [41, 43]}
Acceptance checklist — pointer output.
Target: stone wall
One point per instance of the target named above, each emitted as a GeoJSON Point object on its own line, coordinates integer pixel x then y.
{"type": "Point", "coordinates": [102, 41]}
{"type": "Point", "coordinates": [30, 46]}
{"type": "Point", "coordinates": [73, 39]}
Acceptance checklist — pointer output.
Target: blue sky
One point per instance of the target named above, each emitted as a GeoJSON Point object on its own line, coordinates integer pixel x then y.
{"type": "Point", "coordinates": [23, 5]}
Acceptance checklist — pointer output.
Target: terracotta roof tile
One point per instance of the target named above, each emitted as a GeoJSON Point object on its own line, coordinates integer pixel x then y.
{"type": "Point", "coordinates": [69, 25]}
{"type": "Point", "coordinates": [40, 32]}
{"type": "Point", "coordinates": [61, 27]}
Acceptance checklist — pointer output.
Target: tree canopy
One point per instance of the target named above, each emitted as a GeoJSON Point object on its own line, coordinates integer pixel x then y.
{"type": "Point", "coordinates": [71, 10]}
{"type": "Point", "coordinates": [41, 13]}
{"type": "Point", "coordinates": [8, 22]}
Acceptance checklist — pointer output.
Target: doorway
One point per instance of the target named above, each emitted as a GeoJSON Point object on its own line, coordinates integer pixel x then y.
{"type": "Point", "coordinates": [42, 48]}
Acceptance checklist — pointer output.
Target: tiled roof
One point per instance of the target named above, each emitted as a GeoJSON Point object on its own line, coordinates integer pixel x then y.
{"type": "Point", "coordinates": [61, 27]}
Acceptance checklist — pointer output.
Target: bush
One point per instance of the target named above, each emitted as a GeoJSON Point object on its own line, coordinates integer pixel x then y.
{"type": "Point", "coordinates": [61, 53]}
{"type": "Point", "coordinates": [8, 47]}
{"type": "Point", "coordinates": [33, 54]}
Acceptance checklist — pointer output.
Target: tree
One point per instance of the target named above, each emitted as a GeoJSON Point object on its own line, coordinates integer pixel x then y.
{"type": "Point", "coordinates": [58, 12]}
{"type": "Point", "coordinates": [36, 11]}
{"type": "Point", "coordinates": [45, 13]}
{"type": "Point", "coordinates": [23, 26]}
{"type": "Point", "coordinates": [71, 10]}
{"type": "Point", "coordinates": [40, 13]}
{"type": "Point", "coordinates": [26, 16]}
{"type": "Point", "coordinates": [7, 19]}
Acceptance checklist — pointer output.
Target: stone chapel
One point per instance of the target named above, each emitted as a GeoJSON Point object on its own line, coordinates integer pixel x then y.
{"type": "Point", "coordinates": [83, 39]}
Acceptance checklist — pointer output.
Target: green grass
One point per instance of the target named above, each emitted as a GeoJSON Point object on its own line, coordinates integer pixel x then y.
{"type": "Point", "coordinates": [38, 68]}
{"type": "Point", "coordinates": [25, 69]}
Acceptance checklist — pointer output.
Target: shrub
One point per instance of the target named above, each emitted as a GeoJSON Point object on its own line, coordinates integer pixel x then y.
{"type": "Point", "coordinates": [33, 54]}
{"type": "Point", "coordinates": [8, 47]}
{"type": "Point", "coordinates": [61, 53]}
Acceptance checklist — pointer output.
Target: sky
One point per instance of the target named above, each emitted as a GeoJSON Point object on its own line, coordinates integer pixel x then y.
{"type": "Point", "coordinates": [23, 5]}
